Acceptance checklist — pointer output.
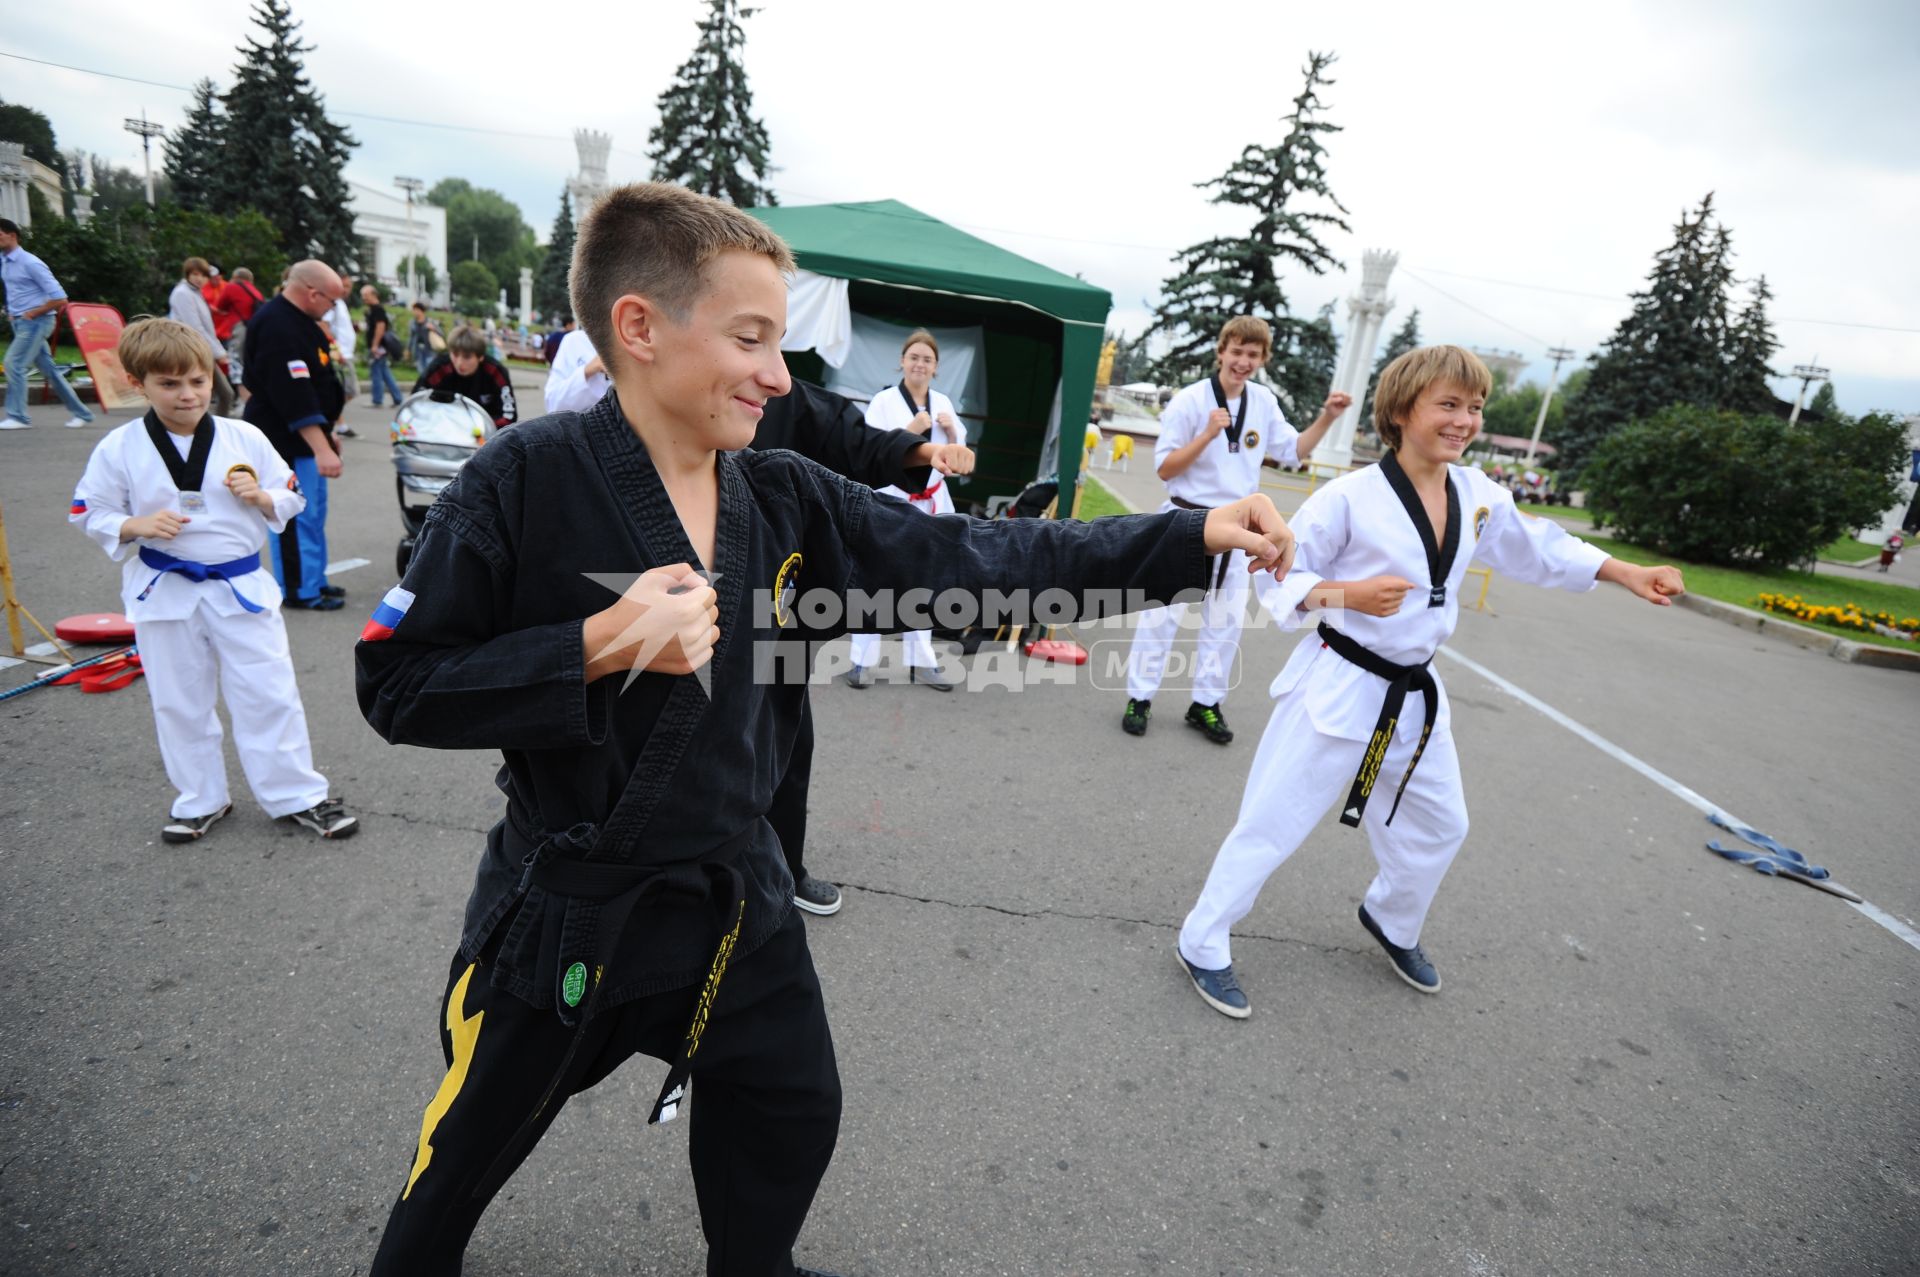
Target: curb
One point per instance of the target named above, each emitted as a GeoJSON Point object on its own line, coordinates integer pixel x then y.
{"type": "Point", "coordinates": [1840, 649]}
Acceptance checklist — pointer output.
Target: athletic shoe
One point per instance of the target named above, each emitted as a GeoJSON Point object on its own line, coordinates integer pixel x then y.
{"type": "Point", "coordinates": [798, 1271]}
{"type": "Point", "coordinates": [329, 818]}
{"type": "Point", "coordinates": [11, 424]}
{"type": "Point", "coordinates": [191, 828]}
{"type": "Point", "coordinates": [74, 423]}
{"type": "Point", "coordinates": [1410, 965]}
{"type": "Point", "coordinates": [333, 591]}
{"type": "Point", "coordinates": [859, 676]}
{"type": "Point", "coordinates": [1211, 723]}
{"type": "Point", "coordinates": [324, 603]}
{"type": "Point", "coordinates": [1218, 989]}
{"type": "Point", "coordinates": [817, 896]}
{"type": "Point", "coordinates": [929, 678]}
{"type": "Point", "coordinates": [345, 431]}
{"type": "Point", "coordinates": [1134, 721]}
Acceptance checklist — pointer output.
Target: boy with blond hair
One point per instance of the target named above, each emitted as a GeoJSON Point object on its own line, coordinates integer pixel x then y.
{"type": "Point", "coordinates": [590, 596]}
{"type": "Point", "coordinates": [183, 500]}
{"type": "Point", "coordinates": [1382, 552]}
{"type": "Point", "coordinates": [1214, 437]}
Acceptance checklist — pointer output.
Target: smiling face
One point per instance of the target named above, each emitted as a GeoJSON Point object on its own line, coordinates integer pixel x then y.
{"type": "Point", "coordinates": [1444, 420]}
{"type": "Point", "coordinates": [713, 368]}
{"type": "Point", "coordinates": [179, 399]}
{"type": "Point", "coordinates": [919, 364]}
{"type": "Point", "coordinates": [1239, 360]}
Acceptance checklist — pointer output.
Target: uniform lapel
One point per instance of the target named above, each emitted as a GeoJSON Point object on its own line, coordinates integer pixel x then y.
{"type": "Point", "coordinates": [1440, 552]}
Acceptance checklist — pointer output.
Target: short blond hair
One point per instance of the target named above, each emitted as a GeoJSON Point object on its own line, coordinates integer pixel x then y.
{"type": "Point", "coordinates": [655, 240]}
{"type": "Point", "coordinates": [920, 337]}
{"type": "Point", "coordinates": [1245, 328]}
{"type": "Point", "coordinates": [150, 347]}
{"type": "Point", "coordinates": [1408, 377]}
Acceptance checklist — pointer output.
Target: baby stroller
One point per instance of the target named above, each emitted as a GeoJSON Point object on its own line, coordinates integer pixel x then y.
{"type": "Point", "coordinates": [432, 438]}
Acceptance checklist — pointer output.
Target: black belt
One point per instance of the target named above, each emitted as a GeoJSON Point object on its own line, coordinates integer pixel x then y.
{"type": "Point", "coordinates": [1219, 571]}
{"type": "Point", "coordinates": [1400, 680]}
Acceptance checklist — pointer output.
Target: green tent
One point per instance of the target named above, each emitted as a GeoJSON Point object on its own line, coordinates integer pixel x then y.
{"type": "Point", "coordinates": [1043, 329]}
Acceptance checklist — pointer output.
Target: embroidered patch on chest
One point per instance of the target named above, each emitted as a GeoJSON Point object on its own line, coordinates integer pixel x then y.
{"type": "Point", "coordinates": [1252, 440]}
{"type": "Point", "coordinates": [786, 583]}
{"type": "Point", "coordinates": [1480, 518]}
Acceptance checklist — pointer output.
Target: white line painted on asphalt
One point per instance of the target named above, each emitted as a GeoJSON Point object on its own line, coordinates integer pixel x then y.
{"type": "Point", "coordinates": [346, 565]}
{"type": "Point", "coordinates": [1660, 778]}
{"type": "Point", "coordinates": [8, 662]}
{"type": "Point", "coordinates": [42, 649]}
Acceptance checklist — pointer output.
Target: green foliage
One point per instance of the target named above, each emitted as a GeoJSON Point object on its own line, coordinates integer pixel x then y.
{"type": "Point", "coordinates": [120, 190]}
{"type": "Point", "coordinates": [1227, 276]}
{"type": "Point", "coordinates": [288, 160]}
{"type": "Point", "coordinates": [550, 286]}
{"type": "Point", "coordinates": [1716, 486]}
{"type": "Point", "coordinates": [425, 277]}
{"type": "Point", "coordinates": [707, 137]}
{"type": "Point", "coordinates": [193, 152]}
{"type": "Point", "coordinates": [486, 220]}
{"type": "Point", "coordinates": [33, 130]}
{"type": "Point", "coordinates": [131, 259]}
{"type": "Point", "coordinates": [475, 289]}
{"type": "Point", "coordinates": [1130, 360]}
{"type": "Point", "coordinates": [1681, 344]}
{"type": "Point", "coordinates": [1825, 406]}
{"type": "Point", "coordinates": [1405, 339]}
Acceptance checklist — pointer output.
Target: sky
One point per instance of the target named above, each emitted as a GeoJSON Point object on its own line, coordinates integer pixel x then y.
{"type": "Point", "coordinates": [1525, 161]}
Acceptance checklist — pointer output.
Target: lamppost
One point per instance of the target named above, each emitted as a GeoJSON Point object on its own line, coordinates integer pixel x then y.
{"type": "Point", "coordinates": [1808, 374]}
{"type": "Point", "coordinates": [412, 186]}
{"type": "Point", "coordinates": [1559, 355]}
{"type": "Point", "coordinates": [147, 131]}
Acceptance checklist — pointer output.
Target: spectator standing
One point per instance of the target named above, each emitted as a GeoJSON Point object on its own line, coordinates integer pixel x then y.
{"type": "Point", "coordinates": [34, 302]}
{"type": "Point", "coordinates": [345, 340]}
{"type": "Point", "coordinates": [296, 401]}
{"type": "Point", "coordinates": [550, 344]}
{"type": "Point", "coordinates": [188, 305]}
{"type": "Point", "coordinates": [379, 353]}
{"type": "Point", "coordinates": [578, 378]}
{"type": "Point", "coordinates": [240, 297]}
{"type": "Point", "coordinates": [420, 338]}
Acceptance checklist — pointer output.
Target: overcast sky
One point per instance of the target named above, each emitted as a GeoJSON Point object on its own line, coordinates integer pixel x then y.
{"type": "Point", "coordinates": [1526, 161]}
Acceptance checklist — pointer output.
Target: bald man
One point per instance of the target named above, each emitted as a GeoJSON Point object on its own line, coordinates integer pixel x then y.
{"type": "Point", "coordinates": [296, 402]}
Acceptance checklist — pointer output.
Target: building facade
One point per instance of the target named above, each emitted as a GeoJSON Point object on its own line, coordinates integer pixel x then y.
{"type": "Point", "coordinates": [390, 235]}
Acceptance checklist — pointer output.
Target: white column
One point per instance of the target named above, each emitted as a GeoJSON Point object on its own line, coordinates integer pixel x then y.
{"type": "Point", "coordinates": [1366, 315]}
{"type": "Point", "coordinates": [13, 184]}
{"type": "Point", "coordinates": [526, 294]}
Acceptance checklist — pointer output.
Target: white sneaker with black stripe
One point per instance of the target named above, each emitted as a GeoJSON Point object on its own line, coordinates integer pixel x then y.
{"type": "Point", "coordinates": [181, 829]}
{"type": "Point", "coordinates": [329, 818]}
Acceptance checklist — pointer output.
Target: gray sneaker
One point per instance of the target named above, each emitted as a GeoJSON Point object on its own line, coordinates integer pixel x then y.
{"type": "Point", "coordinates": [193, 828]}
{"type": "Point", "coordinates": [329, 818]}
{"type": "Point", "coordinates": [817, 896]}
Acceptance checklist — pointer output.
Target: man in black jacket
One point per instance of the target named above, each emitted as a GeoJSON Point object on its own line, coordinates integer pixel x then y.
{"type": "Point", "coordinates": [467, 370]}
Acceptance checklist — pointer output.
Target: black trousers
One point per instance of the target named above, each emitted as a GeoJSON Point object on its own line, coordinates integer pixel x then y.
{"type": "Point", "coordinates": [764, 1107]}
{"type": "Point", "coordinates": [788, 814]}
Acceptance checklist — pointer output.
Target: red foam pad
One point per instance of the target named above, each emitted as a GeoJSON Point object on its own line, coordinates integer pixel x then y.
{"type": "Point", "coordinates": [95, 627]}
{"type": "Point", "coordinates": [1061, 650]}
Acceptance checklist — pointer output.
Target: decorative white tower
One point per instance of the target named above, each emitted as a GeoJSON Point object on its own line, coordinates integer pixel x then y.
{"type": "Point", "coordinates": [590, 183]}
{"type": "Point", "coordinates": [82, 179]}
{"type": "Point", "coordinates": [1366, 313]}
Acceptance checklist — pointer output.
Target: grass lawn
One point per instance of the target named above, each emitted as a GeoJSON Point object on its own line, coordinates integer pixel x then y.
{"type": "Point", "coordinates": [1731, 585]}
{"type": "Point", "coordinates": [1555, 511]}
{"type": "Point", "coordinates": [1848, 550]}
{"type": "Point", "coordinates": [1097, 500]}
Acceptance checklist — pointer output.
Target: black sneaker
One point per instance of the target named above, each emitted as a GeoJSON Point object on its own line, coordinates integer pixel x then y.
{"type": "Point", "coordinates": [1211, 723]}
{"type": "Point", "coordinates": [798, 1271]}
{"type": "Point", "coordinates": [346, 431]}
{"type": "Point", "coordinates": [816, 896]}
{"type": "Point", "coordinates": [1218, 989]}
{"type": "Point", "coordinates": [1410, 965]}
{"type": "Point", "coordinates": [929, 678]}
{"type": "Point", "coordinates": [191, 828]}
{"type": "Point", "coordinates": [333, 591]}
{"type": "Point", "coordinates": [1134, 721]}
{"type": "Point", "coordinates": [859, 676]}
{"type": "Point", "coordinates": [320, 603]}
{"type": "Point", "coordinates": [329, 818]}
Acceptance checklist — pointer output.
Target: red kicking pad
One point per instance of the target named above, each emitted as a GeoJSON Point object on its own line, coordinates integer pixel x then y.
{"type": "Point", "coordinates": [1061, 650]}
{"type": "Point", "coordinates": [95, 627]}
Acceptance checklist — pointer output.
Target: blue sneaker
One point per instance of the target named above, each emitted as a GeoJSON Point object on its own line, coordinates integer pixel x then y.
{"type": "Point", "coordinates": [1218, 989]}
{"type": "Point", "coordinates": [1410, 965]}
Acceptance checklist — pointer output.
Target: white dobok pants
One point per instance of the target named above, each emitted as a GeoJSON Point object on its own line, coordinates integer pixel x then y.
{"type": "Point", "coordinates": [1219, 637]}
{"type": "Point", "coordinates": [918, 644]}
{"type": "Point", "coordinates": [1298, 773]}
{"type": "Point", "coordinates": [187, 664]}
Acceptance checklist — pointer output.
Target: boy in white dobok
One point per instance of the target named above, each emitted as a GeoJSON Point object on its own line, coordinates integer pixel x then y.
{"type": "Point", "coordinates": [183, 499]}
{"type": "Point", "coordinates": [1214, 435]}
{"type": "Point", "coordinates": [1389, 545]}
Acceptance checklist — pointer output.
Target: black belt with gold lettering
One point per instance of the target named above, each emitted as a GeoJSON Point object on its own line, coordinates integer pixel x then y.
{"type": "Point", "coordinates": [1401, 679]}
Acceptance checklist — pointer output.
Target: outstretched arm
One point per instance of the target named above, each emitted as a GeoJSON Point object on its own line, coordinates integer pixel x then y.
{"type": "Point", "coordinates": [1657, 585]}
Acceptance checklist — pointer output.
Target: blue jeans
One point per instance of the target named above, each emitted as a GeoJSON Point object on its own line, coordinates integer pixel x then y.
{"type": "Point", "coordinates": [380, 369]}
{"type": "Point", "coordinates": [30, 348]}
{"type": "Point", "coordinates": [299, 554]}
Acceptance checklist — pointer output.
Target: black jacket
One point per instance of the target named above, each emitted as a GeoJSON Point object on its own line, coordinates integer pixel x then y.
{"type": "Point", "coordinates": [831, 429]}
{"type": "Point", "coordinates": [490, 386]}
{"type": "Point", "coordinates": [287, 355]}
{"type": "Point", "coordinates": [666, 774]}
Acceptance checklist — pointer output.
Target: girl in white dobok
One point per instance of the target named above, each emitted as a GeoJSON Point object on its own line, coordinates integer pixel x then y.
{"type": "Point", "coordinates": [913, 404]}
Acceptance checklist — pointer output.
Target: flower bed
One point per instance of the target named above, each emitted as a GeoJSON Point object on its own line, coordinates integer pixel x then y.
{"type": "Point", "coordinates": [1847, 616]}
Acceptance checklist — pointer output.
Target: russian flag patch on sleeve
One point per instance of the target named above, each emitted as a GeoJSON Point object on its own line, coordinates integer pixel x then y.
{"type": "Point", "coordinates": [79, 506]}
{"type": "Point", "coordinates": [298, 368]}
{"type": "Point", "coordinates": [387, 617]}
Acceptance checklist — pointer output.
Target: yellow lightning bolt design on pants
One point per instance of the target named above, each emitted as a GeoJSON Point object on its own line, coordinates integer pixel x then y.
{"type": "Point", "coordinates": [465, 1032]}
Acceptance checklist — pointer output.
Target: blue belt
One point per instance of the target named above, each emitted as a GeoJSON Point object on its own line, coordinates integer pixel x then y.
{"type": "Point", "coordinates": [201, 572]}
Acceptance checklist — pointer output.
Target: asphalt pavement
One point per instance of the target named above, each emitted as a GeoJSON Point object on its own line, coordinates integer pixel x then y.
{"type": "Point", "coordinates": [1645, 1059]}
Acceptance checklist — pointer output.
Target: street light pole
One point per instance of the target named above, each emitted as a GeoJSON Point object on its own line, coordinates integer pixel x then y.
{"type": "Point", "coordinates": [412, 186]}
{"type": "Point", "coordinates": [1559, 355]}
{"type": "Point", "coordinates": [1808, 374]}
{"type": "Point", "coordinates": [147, 131]}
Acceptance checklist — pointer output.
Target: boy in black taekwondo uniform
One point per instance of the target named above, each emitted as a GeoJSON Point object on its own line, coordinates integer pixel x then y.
{"type": "Point", "coordinates": [634, 898]}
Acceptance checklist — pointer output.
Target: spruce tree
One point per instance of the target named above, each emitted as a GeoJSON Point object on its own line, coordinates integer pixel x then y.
{"type": "Point", "coordinates": [288, 158]}
{"type": "Point", "coordinates": [1750, 344]}
{"type": "Point", "coordinates": [193, 152]}
{"type": "Point", "coordinates": [707, 138]}
{"type": "Point", "coordinates": [550, 293]}
{"type": "Point", "coordinates": [1407, 338]}
{"type": "Point", "coordinates": [1227, 276]}
{"type": "Point", "coordinates": [1825, 405]}
{"type": "Point", "coordinates": [1671, 349]}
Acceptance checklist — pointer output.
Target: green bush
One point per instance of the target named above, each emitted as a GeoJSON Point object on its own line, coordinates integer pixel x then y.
{"type": "Point", "coordinates": [475, 290]}
{"type": "Point", "coordinates": [1720, 487]}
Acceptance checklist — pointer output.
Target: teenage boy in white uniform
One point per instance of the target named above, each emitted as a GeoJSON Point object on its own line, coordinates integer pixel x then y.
{"type": "Point", "coordinates": [184, 499]}
{"type": "Point", "coordinates": [1213, 437]}
{"type": "Point", "coordinates": [1390, 545]}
